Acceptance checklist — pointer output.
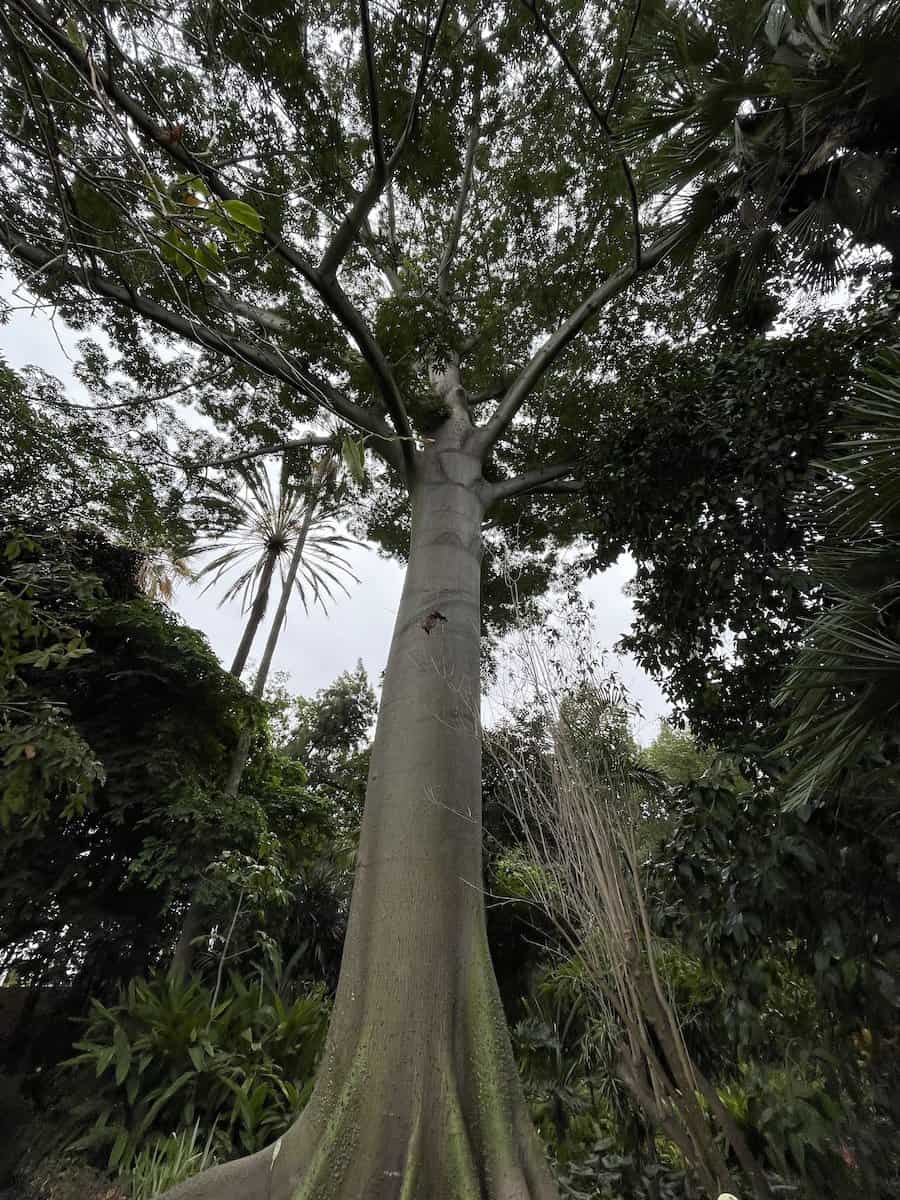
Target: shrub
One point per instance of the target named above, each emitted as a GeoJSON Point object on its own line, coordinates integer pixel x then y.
{"type": "Point", "coordinates": [171, 1056]}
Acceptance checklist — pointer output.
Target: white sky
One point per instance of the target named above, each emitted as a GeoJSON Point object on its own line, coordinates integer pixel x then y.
{"type": "Point", "coordinates": [313, 649]}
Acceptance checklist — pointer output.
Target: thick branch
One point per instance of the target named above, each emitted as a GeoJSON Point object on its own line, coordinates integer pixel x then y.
{"type": "Point", "coordinates": [270, 362]}
{"type": "Point", "coordinates": [336, 300]}
{"type": "Point", "coordinates": [352, 320]}
{"type": "Point", "coordinates": [546, 480]}
{"type": "Point", "coordinates": [96, 77]}
{"type": "Point", "coordinates": [493, 392]}
{"type": "Point", "coordinates": [271, 321]}
{"type": "Point", "coordinates": [372, 85]}
{"type": "Point", "coordinates": [547, 354]}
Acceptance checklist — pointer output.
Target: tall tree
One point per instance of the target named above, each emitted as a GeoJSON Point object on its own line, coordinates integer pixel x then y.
{"type": "Point", "coordinates": [417, 249]}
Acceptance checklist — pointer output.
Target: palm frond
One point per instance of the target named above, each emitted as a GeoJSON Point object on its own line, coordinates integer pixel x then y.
{"type": "Point", "coordinates": [264, 521]}
{"type": "Point", "coordinates": [843, 691]}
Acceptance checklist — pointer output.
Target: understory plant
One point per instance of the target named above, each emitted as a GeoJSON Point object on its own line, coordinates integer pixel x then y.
{"type": "Point", "coordinates": [167, 1161]}
{"type": "Point", "coordinates": [235, 1063]}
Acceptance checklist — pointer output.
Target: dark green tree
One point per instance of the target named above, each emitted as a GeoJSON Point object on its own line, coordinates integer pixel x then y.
{"type": "Point", "coordinates": [724, 530]}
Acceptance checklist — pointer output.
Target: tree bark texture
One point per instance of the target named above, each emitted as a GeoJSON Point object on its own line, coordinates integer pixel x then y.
{"type": "Point", "coordinates": [417, 1096]}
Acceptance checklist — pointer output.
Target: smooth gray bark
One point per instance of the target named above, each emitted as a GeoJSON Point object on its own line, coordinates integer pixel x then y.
{"type": "Point", "coordinates": [417, 1096]}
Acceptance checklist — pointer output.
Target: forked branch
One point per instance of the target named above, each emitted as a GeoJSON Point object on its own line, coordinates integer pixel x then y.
{"type": "Point", "coordinates": [97, 79]}
{"type": "Point", "coordinates": [349, 229]}
{"type": "Point", "coordinates": [547, 354]}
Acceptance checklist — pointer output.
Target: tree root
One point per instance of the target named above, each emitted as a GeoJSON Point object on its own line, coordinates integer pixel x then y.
{"type": "Point", "coordinates": [428, 1114]}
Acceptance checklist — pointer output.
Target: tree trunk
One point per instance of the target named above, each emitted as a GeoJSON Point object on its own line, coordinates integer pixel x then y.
{"type": "Point", "coordinates": [183, 954]}
{"type": "Point", "coordinates": [257, 612]}
{"type": "Point", "coordinates": [417, 1095]}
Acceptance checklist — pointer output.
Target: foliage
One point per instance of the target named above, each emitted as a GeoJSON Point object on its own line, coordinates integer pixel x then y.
{"type": "Point", "coordinates": [41, 751]}
{"type": "Point", "coordinates": [236, 1063]}
{"type": "Point", "coordinates": [787, 922]}
{"type": "Point", "coordinates": [261, 522]}
{"type": "Point", "coordinates": [721, 535]}
{"type": "Point", "coordinates": [329, 735]}
{"type": "Point", "coordinates": [607, 1174]}
{"type": "Point", "coordinates": [788, 110]}
{"type": "Point", "coordinates": [97, 465]}
{"type": "Point", "coordinates": [160, 1165]}
{"type": "Point", "coordinates": [843, 689]}
{"type": "Point", "coordinates": [158, 715]}
{"type": "Point", "coordinates": [675, 755]}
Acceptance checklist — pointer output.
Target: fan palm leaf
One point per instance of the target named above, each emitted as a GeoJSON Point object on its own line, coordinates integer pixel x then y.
{"type": "Point", "coordinates": [843, 691]}
{"type": "Point", "coordinates": [789, 112]}
{"type": "Point", "coordinates": [264, 521]}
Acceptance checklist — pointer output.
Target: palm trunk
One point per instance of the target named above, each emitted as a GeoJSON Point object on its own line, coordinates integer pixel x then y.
{"type": "Point", "coordinates": [242, 749]}
{"type": "Point", "coordinates": [183, 955]}
{"type": "Point", "coordinates": [257, 612]}
{"type": "Point", "coordinates": [417, 1096]}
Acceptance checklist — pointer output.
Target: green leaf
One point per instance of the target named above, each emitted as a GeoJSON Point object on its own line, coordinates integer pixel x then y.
{"type": "Point", "coordinates": [208, 255]}
{"type": "Point", "coordinates": [118, 1149]}
{"type": "Point", "coordinates": [353, 454]}
{"type": "Point", "coordinates": [122, 1049]}
{"type": "Point", "coordinates": [244, 214]}
{"type": "Point", "coordinates": [73, 34]}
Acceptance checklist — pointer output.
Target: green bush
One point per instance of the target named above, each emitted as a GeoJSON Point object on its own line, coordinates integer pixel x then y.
{"type": "Point", "coordinates": [168, 1161]}
{"type": "Point", "coordinates": [236, 1067]}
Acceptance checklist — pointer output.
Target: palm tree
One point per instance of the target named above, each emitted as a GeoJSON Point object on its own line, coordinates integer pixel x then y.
{"type": "Point", "coordinates": [787, 111]}
{"type": "Point", "coordinates": [295, 523]}
{"type": "Point", "coordinates": [843, 692]}
{"type": "Point", "coordinates": [264, 527]}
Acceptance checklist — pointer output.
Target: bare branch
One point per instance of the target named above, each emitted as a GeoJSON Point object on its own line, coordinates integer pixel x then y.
{"type": "Point", "coordinates": [546, 480]}
{"type": "Point", "coordinates": [271, 321]}
{"type": "Point", "coordinates": [330, 439]}
{"type": "Point", "coordinates": [464, 189]}
{"type": "Point", "coordinates": [372, 82]}
{"type": "Point", "coordinates": [547, 354]}
{"type": "Point", "coordinates": [493, 392]}
{"type": "Point", "coordinates": [353, 322]}
{"type": "Point", "coordinates": [349, 229]}
{"type": "Point", "coordinates": [265, 359]}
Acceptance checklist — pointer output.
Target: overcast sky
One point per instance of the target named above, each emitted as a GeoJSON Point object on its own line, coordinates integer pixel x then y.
{"type": "Point", "coordinates": [314, 649]}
